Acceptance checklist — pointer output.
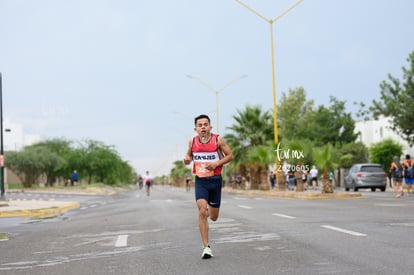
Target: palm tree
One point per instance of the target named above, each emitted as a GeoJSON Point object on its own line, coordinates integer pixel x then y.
{"type": "Point", "coordinates": [239, 151]}
{"type": "Point", "coordinates": [325, 163]}
{"type": "Point", "coordinates": [258, 159]}
{"type": "Point", "coordinates": [178, 172]}
{"type": "Point", "coordinates": [253, 128]}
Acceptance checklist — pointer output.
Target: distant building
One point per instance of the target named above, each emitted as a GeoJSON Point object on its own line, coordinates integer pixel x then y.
{"type": "Point", "coordinates": [14, 138]}
{"type": "Point", "coordinates": [373, 131]}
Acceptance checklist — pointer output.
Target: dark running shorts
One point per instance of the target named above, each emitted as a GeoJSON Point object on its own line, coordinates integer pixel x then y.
{"type": "Point", "coordinates": [209, 189]}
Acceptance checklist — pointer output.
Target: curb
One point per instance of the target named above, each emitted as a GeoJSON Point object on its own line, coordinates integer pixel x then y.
{"type": "Point", "coordinates": [42, 213]}
{"type": "Point", "coordinates": [294, 195]}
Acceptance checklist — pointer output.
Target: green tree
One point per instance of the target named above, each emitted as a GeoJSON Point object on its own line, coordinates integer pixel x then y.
{"type": "Point", "coordinates": [104, 160]}
{"type": "Point", "coordinates": [101, 162]}
{"type": "Point", "coordinates": [26, 165]}
{"type": "Point", "coordinates": [383, 152]}
{"type": "Point", "coordinates": [258, 159]}
{"type": "Point", "coordinates": [295, 113]}
{"type": "Point", "coordinates": [397, 102]}
{"type": "Point", "coordinates": [299, 119]}
{"type": "Point", "coordinates": [331, 125]}
{"type": "Point", "coordinates": [33, 162]}
{"type": "Point", "coordinates": [55, 158]}
{"type": "Point", "coordinates": [89, 154]}
{"type": "Point", "coordinates": [76, 160]}
{"type": "Point", "coordinates": [253, 127]}
{"type": "Point", "coordinates": [178, 172]}
{"type": "Point", "coordinates": [325, 162]}
{"type": "Point", "coordinates": [50, 163]}
{"type": "Point", "coordinates": [350, 153]}
{"type": "Point", "coordinates": [121, 172]}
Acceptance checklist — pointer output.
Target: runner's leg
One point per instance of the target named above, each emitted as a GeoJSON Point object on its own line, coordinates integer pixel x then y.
{"type": "Point", "coordinates": [202, 220]}
{"type": "Point", "coordinates": [213, 213]}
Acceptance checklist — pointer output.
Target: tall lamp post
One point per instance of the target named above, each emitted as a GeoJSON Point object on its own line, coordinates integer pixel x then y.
{"type": "Point", "coordinates": [271, 21]}
{"type": "Point", "coordinates": [216, 92]}
{"type": "Point", "coordinates": [1, 142]}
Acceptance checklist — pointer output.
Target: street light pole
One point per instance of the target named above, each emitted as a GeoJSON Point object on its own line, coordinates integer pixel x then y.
{"type": "Point", "coordinates": [271, 21]}
{"type": "Point", "coordinates": [1, 142]}
{"type": "Point", "coordinates": [216, 92]}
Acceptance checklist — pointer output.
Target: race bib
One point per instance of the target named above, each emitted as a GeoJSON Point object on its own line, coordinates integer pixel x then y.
{"type": "Point", "coordinates": [201, 170]}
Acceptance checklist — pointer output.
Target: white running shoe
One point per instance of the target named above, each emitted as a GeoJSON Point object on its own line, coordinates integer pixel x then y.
{"type": "Point", "coordinates": [207, 254]}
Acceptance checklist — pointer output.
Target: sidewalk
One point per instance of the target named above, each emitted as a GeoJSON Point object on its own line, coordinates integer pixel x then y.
{"type": "Point", "coordinates": [305, 195]}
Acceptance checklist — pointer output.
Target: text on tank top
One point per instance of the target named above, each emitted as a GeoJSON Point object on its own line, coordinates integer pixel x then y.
{"type": "Point", "coordinates": [203, 153]}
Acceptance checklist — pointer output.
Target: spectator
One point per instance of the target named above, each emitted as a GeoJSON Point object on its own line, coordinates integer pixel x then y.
{"type": "Point", "coordinates": [397, 175]}
{"type": "Point", "coordinates": [291, 180]}
{"type": "Point", "coordinates": [314, 177]}
{"type": "Point", "coordinates": [272, 179]}
{"type": "Point", "coordinates": [409, 173]}
{"type": "Point", "coordinates": [331, 176]}
{"type": "Point", "coordinates": [238, 180]}
{"type": "Point", "coordinates": [75, 178]}
{"type": "Point", "coordinates": [305, 179]}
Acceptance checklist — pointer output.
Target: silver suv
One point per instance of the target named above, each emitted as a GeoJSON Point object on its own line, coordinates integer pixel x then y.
{"type": "Point", "coordinates": [366, 175]}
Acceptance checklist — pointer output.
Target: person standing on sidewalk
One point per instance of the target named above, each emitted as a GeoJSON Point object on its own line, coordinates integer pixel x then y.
{"type": "Point", "coordinates": [208, 152]}
{"type": "Point", "coordinates": [314, 177]}
{"type": "Point", "coordinates": [396, 170]}
{"type": "Point", "coordinates": [75, 178]}
{"type": "Point", "coordinates": [291, 179]}
{"type": "Point", "coordinates": [409, 173]}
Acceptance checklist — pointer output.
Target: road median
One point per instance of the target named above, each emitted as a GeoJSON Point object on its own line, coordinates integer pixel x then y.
{"type": "Point", "coordinates": [36, 209]}
{"type": "Point", "coordinates": [309, 194]}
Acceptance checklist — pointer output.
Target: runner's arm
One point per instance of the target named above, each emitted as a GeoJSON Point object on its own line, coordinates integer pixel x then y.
{"type": "Point", "coordinates": [225, 150]}
{"type": "Point", "coordinates": [188, 158]}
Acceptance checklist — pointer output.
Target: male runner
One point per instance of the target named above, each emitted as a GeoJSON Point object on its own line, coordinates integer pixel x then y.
{"type": "Point", "coordinates": [208, 152]}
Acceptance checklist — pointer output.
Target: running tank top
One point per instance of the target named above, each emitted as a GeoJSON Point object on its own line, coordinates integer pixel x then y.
{"type": "Point", "coordinates": [203, 153]}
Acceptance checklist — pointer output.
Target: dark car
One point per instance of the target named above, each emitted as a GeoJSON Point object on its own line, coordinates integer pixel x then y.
{"type": "Point", "coordinates": [366, 175]}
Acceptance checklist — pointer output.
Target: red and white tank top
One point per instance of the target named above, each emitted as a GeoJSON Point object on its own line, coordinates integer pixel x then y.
{"type": "Point", "coordinates": [203, 153]}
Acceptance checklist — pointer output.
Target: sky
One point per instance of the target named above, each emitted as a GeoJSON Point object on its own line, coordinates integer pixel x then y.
{"type": "Point", "coordinates": [133, 74]}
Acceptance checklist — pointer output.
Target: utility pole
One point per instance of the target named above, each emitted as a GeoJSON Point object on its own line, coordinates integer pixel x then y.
{"type": "Point", "coordinates": [1, 142]}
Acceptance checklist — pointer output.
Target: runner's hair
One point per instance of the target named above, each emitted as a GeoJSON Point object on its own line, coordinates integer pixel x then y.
{"type": "Point", "coordinates": [200, 117]}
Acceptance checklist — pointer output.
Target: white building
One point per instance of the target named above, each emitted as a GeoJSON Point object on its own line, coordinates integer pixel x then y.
{"type": "Point", "coordinates": [14, 138]}
{"type": "Point", "coordinates": [373, 131]}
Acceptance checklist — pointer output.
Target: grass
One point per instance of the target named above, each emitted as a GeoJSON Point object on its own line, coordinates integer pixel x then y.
{"type": "Point", "coordinates": [3, 237]}
{"type": "Point", "coordinates": [15, 186]}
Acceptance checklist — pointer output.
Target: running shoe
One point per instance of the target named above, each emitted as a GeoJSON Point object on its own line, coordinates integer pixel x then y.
{"type": "Point", "coordinates": [207, 254]}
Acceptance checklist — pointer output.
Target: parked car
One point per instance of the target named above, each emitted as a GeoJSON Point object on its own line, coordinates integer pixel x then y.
{"type": "Point", "coordinates": [366, 175]}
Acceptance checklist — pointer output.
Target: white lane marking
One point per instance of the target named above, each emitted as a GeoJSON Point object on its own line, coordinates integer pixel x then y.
{"type": "Point", "coordinates": [121, 241]}
{"type": "Point", "coordinates": [283, 216]}
{"type": "Point", "coordinates": [239, 198]}
{"type": "Point", "coordinates": [245, 206]}
{"type": "Point", "coordinates": [344, 230]}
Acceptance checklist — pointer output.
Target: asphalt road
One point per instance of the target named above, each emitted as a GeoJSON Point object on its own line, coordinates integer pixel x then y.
{"type": "Point", "coordinates": [130, 233]}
